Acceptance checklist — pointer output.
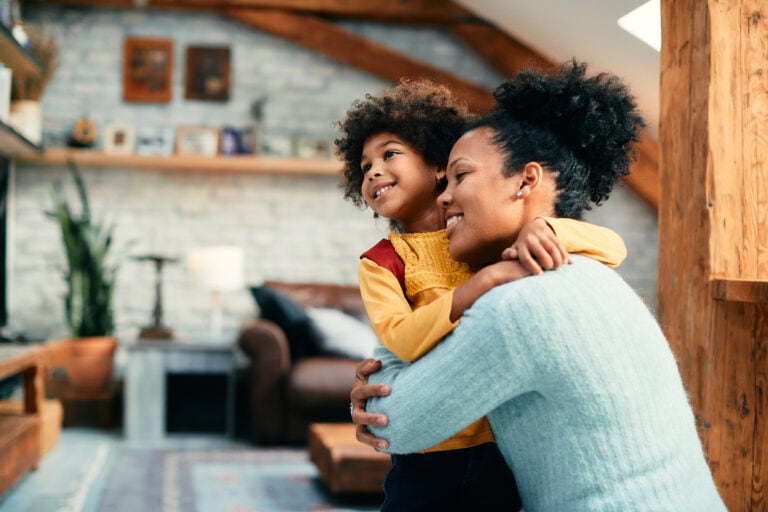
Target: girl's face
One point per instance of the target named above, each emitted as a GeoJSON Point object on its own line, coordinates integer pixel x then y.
{"type": "Point", "coordinates": [483, 212]}
{"type": "Point", "coordinates": [399, 185]}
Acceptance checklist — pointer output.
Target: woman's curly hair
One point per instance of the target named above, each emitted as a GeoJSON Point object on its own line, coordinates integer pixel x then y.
{"type": "Point", "coordinates": [582, 128]}
{"type": "Point", "coordinates": [424, 114]}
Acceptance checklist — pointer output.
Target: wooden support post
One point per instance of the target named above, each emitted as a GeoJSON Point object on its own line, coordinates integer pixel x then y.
{"type": "Point", "coordinates": [713, 235]}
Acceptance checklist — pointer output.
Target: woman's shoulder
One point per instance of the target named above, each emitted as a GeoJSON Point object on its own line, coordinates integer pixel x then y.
{"type": "Point", "coordinates": [555, 288]}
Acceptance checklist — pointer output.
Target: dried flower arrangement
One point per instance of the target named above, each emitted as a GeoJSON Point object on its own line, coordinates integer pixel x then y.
{"type": "Point", "coordinates": [43, 47]}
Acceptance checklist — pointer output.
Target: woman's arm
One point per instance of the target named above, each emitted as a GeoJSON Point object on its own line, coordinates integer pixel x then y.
{"type": "Point", "coordinates": [486, 361]}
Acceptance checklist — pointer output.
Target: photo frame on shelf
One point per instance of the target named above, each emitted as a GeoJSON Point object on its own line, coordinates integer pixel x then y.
{"type": "Point", "coordinates": [207, 75]}
{"type": "Point", "coordinates": [312, 147]}
{"type": "Point", "coordinates": [147, 70]}
{"type": "Point", "coordinates": [119, 139]}
{"type": "Point", "coordinates": [155, 141]}
{"type": "Point", "coordinates": [276, 145]}
{"type": "Point", "coordinates": [197, 140]}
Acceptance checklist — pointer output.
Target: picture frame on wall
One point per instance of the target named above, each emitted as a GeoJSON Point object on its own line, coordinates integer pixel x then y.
{"type": "Point", "coordinates": [119, 139]}
{"type": "Point", "coordinates": [207, 75]}
{"type": "Point", "coordinates": [197, 140]}
{"type": "Point", "coordinates": [147, 70]}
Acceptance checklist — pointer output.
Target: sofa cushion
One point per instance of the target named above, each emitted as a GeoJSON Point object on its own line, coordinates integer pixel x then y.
{"type": "Point", "coordinates": [343, 334]}
{"type": "Point", "coordinates": [276, 307]}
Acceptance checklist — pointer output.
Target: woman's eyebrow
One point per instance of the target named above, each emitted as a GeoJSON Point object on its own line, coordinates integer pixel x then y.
{"type": "Point", "coordinates": [456, 161]}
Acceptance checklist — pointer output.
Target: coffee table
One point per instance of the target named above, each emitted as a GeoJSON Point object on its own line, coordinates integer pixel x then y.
{"type": "Point", "coordinates": [345, 464]}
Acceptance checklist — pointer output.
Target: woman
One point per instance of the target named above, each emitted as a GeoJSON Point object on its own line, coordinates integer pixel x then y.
{"type": "Point", "coordinates": [576, 378]}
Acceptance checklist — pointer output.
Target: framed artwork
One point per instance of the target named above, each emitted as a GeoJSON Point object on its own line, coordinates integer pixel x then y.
{"type": "Point", "coordinates": [207, 73]}
{"type": "Point", "coordinates": [197, 140]}
{"type": "Point", "coordinates": [147, 70]}
{"type": "Point", "coordinates": [119, 139]}
{"type": "Point", "coordinates": [155, 141]}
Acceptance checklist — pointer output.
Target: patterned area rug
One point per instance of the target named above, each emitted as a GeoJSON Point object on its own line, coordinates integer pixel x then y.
{"type": "Point", "coordinates": [277, 480]}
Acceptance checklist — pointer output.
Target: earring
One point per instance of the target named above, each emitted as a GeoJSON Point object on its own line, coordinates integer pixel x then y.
{"type": "Point", "coordinates": [519, 194]}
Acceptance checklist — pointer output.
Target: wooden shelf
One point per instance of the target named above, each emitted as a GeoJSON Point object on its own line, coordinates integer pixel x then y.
{"type": "Point", "coordinates": [15, 145]}
{"type": "Point", "coordinates": [239, 163]}
{"type": "Point", "coordinates": [740, 290]}
{"type": "Point", "coordinates": [16, 57]}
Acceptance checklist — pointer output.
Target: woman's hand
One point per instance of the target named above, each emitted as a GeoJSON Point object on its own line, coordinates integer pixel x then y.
{"type": "Point", "coordinates": [361, 392]}
{"type": "Point", "coordinates": [537, 248]}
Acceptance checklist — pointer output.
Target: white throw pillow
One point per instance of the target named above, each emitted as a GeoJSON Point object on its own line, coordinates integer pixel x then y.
{"type": "Point", "coordinates": [342, 333]}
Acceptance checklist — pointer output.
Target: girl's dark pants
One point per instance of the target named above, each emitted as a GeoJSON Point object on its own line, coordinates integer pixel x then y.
{"type": "Point", "coordinates": [469, 479]}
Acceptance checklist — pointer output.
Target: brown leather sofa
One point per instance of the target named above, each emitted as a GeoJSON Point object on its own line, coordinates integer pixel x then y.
{"type": "Point", "coordinates": [285, 397]}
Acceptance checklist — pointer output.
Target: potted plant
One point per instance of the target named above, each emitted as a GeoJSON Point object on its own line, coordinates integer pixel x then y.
{"type": "Point", "coordinates": [27, 88]}
{"type": "Point", "coordinates": [90, 278]}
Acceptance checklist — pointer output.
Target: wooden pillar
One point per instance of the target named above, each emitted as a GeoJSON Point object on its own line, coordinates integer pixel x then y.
{"type": "Point", "coordinates": [713, 230]}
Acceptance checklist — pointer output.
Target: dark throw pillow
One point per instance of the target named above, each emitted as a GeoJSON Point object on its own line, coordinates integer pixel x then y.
{"type": "Point", "coordinates": [276, 307]}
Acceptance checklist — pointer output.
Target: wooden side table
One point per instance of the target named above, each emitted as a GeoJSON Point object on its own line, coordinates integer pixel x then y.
{"type": "Point", "coordinates": [149, 362]}
{"type": "Point", "coordinates": [20, 433]}
{"type": "Point", "coordinates": [344, 463]}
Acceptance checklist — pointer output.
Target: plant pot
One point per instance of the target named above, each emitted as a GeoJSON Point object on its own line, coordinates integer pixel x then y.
{"type": "Point", "coordinates": [90, 362]}
{"type": "Point", "coordinates": [26, 117]}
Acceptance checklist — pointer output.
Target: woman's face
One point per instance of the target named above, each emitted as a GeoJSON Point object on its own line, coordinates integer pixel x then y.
{"type": "Point", "coordinates": [482, 209]}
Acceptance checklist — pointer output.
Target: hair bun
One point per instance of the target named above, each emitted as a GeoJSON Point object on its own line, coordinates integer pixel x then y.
{"type": "Point", "coordinates": [595, 117]}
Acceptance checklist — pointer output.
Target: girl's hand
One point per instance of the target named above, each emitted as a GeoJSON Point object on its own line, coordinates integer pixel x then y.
{"type": "Point", "coordinates": [537, 248]}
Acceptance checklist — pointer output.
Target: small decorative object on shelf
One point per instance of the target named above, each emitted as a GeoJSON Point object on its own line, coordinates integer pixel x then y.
{"type": "Point", "coordinates": [154, 141]}
{"type": "Point", "coordinates": [197, 140]}
{"type": "Point", "coordinates": [119, 139]}
{"type": "Point", "coordinates": [83, 133]}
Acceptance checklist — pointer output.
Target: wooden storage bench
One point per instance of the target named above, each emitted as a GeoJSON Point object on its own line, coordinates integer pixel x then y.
{"type": "Point", "coordinates": [345, 464]}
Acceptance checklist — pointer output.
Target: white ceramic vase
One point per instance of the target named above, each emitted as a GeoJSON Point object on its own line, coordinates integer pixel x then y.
{"type": "Point", "coordinates": [27, 118]}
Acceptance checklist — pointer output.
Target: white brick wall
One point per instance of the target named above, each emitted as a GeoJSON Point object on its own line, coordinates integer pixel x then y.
{"type": "Point", "coordinates": [291, 227]}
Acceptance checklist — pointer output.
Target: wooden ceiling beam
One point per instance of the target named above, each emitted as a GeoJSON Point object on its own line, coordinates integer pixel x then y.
{"type": "Point", "coordinates": [498, 49]}
{"type": "Point", "coordinates": [330, 40]}
{"type": "Point", "coordinates": [441, 12]}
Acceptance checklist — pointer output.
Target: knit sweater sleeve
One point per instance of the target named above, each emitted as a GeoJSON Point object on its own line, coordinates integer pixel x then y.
{"type": "Point", "coordinates": [409, 333]}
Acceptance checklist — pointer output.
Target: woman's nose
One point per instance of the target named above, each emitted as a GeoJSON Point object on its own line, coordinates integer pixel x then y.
{"type": "Point", "coordinates": [444, 199]}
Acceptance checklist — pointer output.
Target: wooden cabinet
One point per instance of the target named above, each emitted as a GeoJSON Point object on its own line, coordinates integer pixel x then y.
{"type": "Point", "coordinates": [12, 143]}
{"type": "Point", "coordinates": [20, 433]}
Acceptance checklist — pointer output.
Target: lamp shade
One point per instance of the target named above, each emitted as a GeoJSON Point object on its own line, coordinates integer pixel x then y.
{"type": "Point", "coordinates": [217, 268]}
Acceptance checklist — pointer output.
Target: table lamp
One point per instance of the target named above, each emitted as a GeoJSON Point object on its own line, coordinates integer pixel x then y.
{"type": "Point", "coordinates": [220, 269]}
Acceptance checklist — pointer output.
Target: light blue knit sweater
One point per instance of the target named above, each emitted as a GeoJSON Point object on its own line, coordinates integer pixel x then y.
{"type": "Point", "coordinates": [581, 389]}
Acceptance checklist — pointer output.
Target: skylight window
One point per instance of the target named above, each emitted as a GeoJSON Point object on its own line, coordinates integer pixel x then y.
{"type": "Point", "coordinates": [644, 23]}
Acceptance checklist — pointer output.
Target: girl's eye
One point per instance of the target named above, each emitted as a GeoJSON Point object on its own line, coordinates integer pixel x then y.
{"type": "Point", "coordinates": [460, 176]}
{"type": "Point", "coordinates": [389, 153]}
{"type": "Point", "coordinates": [365, 168]}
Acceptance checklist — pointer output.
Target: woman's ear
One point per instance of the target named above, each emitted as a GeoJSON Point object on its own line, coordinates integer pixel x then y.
{"type": "Point", "coordinates": [440, 180]}
{"type": "Point", "coordinates": [531, 177]}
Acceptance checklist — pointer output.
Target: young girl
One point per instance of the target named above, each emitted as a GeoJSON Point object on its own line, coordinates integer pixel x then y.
{"type": "Point", "coordinates": [395, 149]}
